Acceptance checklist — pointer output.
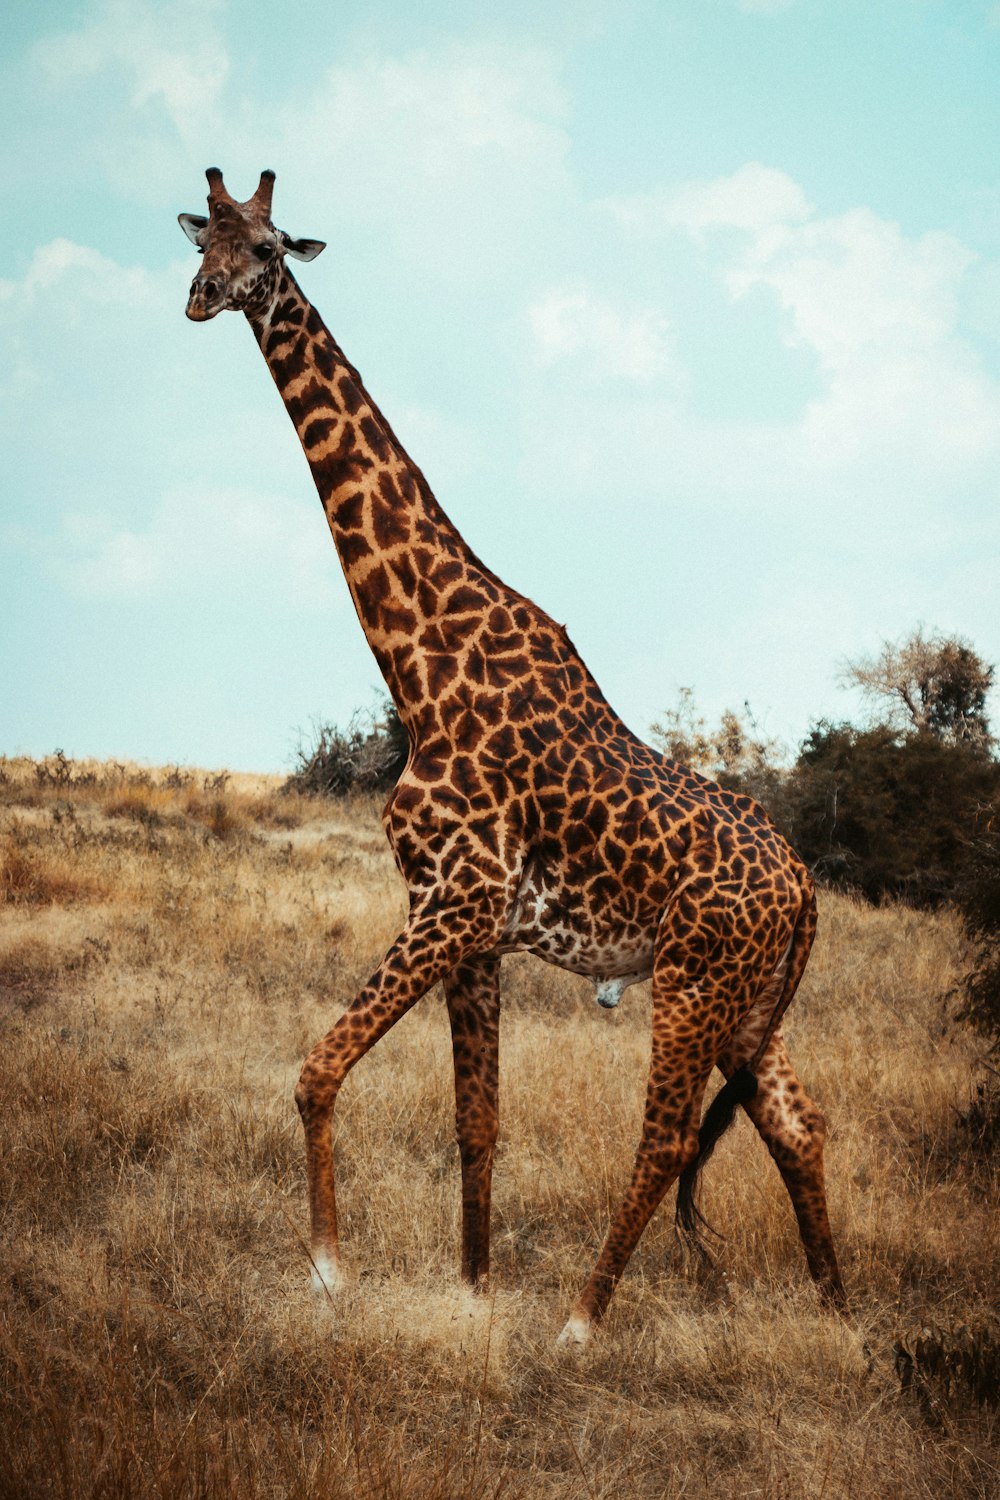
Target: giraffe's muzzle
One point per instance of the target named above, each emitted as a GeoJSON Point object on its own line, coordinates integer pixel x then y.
{"type": "Point", "coordinates": [206, 298]}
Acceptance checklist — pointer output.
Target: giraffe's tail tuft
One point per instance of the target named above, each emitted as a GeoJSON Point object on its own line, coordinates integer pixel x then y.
{"type": "Point", "coordinates": [689, 1219]}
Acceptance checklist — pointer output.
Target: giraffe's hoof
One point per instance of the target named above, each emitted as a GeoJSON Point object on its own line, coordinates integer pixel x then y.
{"type": "Point", "coordinates": [326, 1276]}
{"type": "Point", "coordinates": [576, 1334]}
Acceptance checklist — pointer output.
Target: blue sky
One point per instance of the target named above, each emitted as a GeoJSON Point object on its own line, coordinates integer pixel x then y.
{"type": "Point", "coordinates": [689, 311]}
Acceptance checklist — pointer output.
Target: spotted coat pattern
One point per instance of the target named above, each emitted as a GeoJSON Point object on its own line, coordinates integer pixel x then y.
{"type": "Point", "coordinates": [528, 816]}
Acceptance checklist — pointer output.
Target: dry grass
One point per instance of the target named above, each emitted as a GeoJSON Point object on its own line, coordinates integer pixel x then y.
{"type": "Point", "coordinates": [170, 945]}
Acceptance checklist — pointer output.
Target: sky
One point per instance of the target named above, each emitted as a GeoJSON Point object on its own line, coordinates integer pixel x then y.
{"type": "Point", "coordinates": [688, 310]}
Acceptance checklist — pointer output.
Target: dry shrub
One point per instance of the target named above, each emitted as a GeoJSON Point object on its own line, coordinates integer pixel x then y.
{"type": "Point", "coordinates": [216, 813]}
{"type": "Point", "coordinates": [368, 756]}
{"type": "Point", "coordinates": [157, 805]}
{"type": "Point", "coordinates": [225, 802]}
{"type": "Point", "coordinates": [279, 809]}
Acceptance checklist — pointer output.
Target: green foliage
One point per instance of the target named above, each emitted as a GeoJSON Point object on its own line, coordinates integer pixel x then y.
{"type": "Point", "coordinates": [368, 756]}
{"type": "Point", "coordinates": [885, 812]}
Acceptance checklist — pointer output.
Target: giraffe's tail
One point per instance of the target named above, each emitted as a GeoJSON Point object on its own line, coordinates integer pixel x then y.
{"type": "Point", "coordinates": [690, 1221]}
{"type": "Point", "coordinates": [740, 1088]}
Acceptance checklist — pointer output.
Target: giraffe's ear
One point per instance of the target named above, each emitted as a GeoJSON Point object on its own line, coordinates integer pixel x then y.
{"type": "Point", "coordinates": [302, 249]}
{"type": "Point", "coordinates": [193, 226]}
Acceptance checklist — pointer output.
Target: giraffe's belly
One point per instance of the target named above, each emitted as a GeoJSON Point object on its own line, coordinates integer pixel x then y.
{"type": "Point", "coordinates": [611, 947]}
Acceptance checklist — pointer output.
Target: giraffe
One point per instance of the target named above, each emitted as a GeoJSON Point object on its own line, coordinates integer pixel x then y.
{"type": "Point", "coordinates": [528, 818]}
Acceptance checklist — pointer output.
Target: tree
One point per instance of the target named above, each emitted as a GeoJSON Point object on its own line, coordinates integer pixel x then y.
{"type": "Point", "coordinates": [935, 684]}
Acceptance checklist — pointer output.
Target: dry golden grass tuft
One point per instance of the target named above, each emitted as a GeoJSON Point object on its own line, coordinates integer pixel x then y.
{"type": "Point", "coordinates": [171, 943]}
{"type": "Point", "coordinates": [33, 876]}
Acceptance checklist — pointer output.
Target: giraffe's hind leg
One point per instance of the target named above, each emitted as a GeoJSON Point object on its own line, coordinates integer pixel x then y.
{"type": "Point", "coordinates": [691, 1019]}
{"type": "Point", "coordinates": [793, 1129]}
{"type": "Point", "coordinates": [473, 994]}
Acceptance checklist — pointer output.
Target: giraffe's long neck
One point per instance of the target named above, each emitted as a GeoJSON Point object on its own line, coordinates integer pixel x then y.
{"type": "Point", "coordinates": [418, 588]}
{"type": "Point", "coordinates": [458, 649]}
{"type": "Point", "coordinates": [413, 578]}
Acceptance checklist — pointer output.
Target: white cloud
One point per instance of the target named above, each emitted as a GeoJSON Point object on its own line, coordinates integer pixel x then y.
{"type": "Point", "coordinates": [754, 198]}
{"type": "Point", "coordinates": [877, 307]}
{"type": "Point", "coordinates": [204, 539]}
{"type": "Point", "coordinates": [450, 148]}
{"type": "Point", "coordinates": [170, 53]}
{"type": "Point", "coordinates": [76, 320]}
{"type": "Point", "coordinates": [454, 154]}
{"type": "Point", "coordinates": [880, 310]}
{"type": "Point", "coordinates": [94, 276]}
{"type": "Point", "coordinates": [855, 281]}
{"type": "Point", "coordinates": [428, 113]}
{"type": "Point", "coordinates": [616, 345]}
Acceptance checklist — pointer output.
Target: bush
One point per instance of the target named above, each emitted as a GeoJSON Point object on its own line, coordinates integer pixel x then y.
{"type": "Point", "coordinates": [885, 812]}
{"type": "Point", "coordinates": [368, 756]}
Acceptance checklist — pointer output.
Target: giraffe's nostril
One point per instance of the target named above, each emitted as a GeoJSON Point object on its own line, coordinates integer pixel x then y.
{"type": "Point", "coordinates": [211, 290]}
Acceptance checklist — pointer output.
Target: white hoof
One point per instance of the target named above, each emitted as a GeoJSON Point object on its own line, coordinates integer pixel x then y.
{"type": "Point", "coordinates": [575, 1335]}
{"type": "Point", "coordinates": [470, 1303]}
{"type": "Point", "coordinates": [327, 1277]}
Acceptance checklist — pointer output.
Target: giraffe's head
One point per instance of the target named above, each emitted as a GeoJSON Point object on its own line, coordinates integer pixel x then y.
{"type": "Point", "coordinates": [242, 250]}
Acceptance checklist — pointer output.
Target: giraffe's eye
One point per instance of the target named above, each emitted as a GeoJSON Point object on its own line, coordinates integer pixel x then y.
{"type": "Point", "coordinates": [263, 252]}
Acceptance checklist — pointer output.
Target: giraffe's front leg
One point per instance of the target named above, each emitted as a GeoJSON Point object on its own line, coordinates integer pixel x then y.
{"type": "Point", "coordinates": [423, 953]}
{"type": "Point", "coordinates": [473, 994]}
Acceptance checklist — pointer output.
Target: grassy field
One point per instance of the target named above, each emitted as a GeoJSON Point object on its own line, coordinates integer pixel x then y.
{"type": "Point", "coordinates": [171, 944]}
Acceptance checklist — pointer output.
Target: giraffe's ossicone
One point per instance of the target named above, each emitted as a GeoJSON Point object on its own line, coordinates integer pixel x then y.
{"type": "Point", "coordinates": [528, 818]}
